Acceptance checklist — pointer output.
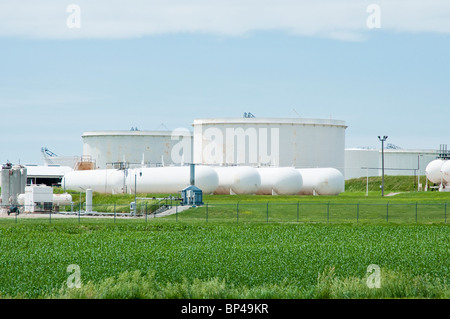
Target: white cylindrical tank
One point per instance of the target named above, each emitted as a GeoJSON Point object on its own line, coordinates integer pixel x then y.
{"type": "Point", "coordinates": [15, 183]}
{"type": "Point", "coordinates": [23, 179]}
{"type": "Point", "coordinates": [101, 181]}
{"type": "Point", "coordinates": [275, 142]}
{"type": "Point", "coordinates": [288, 181]}
{"type": "Point", "coordinates": [58, 199]}
{"type": "Point", "coordinates": [88, 200]}
{"type": "Point", "coordinates": [5, 184]}
{"type": "Point", "coordinates": [237, 180]}
{"type": "Point", "coordinates": [280, 181]}
{"type": "Point", "coordinates": [62, 199]}
{"type": "Point", "coordinates": [170, 179]}
{"type": "Point", "coordinates": [322, 181]}
{"type": "Point", "coordinates": [151, 147]}
{"type": "Point", "coordinates": [433, 171]}
{"type": "Point", "coordinates": [21, 199]}
{"type": "Point", "coordinates": [445, 170]}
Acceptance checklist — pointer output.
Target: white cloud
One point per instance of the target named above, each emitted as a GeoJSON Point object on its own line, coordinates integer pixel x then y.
{"type": "Point", "coordinates": [344, 19]}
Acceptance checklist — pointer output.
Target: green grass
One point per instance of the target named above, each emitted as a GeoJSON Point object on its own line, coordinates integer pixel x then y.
{"type": "Point", "coordinates": [233, 249]}
{"type": "Point", "coordinates": [391, 184]}
{"type": "Point", "coordinates": [179, 260]}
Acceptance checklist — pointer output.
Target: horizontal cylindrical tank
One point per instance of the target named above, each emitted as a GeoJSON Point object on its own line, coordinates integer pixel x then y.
{"type": "Point", "coordinates": [62, 199]}
{"type": "Point", "coordinates": [170, 179]}
{"type": "Point", "coordinates": [322, 181]}
{"type": "Point", "coordinates": [102, 181]}
{"type": "Point", "coordinates": [433, 171]}
{"type": "Point", "coordinates": [280, 181]}
{"type": "Point", "coordinates": [445, 170]}
{"type": "Point", "coordinates": [237, 180]}
{"type": "Point", "coordinates": [58, 199]}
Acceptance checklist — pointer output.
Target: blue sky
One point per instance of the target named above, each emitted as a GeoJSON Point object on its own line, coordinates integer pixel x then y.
{"type": "Point", "coordinates": [392, 81]}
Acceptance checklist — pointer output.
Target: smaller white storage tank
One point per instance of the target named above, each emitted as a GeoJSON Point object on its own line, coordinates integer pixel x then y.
{"type": "Point", "coordinates": [433, 171]}
{"type": "Point", "coordinates": [322, 181]}
{"type": "Point", "coordinates": [445, 170]}
{"type": "Point", "coordinates": [62, 199]}
{"type": "Point", "coordinates": [280, 181]}
{"type": "Point", "coordinates": [237, 180]}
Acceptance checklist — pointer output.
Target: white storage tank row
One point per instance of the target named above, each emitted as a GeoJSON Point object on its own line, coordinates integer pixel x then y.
{"type": "Point", "coordinates": [438, 172]}
{"type": "Point", "coordinates": [210, 179]}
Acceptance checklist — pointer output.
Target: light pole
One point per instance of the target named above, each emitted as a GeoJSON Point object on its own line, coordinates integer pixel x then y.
{"type": "Point", "coordinates": [418, 172]}
{"type": "Point", "coordinates": [134, 208]}
{"type": "Point", "coordinates": [135, 187]}
{"type": "Point", "coordinates": [382, 139]}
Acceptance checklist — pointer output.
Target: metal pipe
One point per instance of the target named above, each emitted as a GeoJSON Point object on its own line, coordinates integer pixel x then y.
{"type": "Point", "coordinates": [192, 174]}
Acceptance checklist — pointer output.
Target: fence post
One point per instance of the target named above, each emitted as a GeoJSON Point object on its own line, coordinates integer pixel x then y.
{"type": "Point", "coordinates": [416, 212]}
{"type": "Point", "coordinates": [50, 217]}
{"type": "Point", "coordinates": [145, 212]}
{"type": "Point", "coordinates": [357, 213]}
{"type": "Point", "coordinates": [328, 212]}
{"type": "Point", "coordinates": [387, 212]}
{"type": "Point", "coordinates": [79, 212]}
{"type": "Point", "coordinates": [445, 212]}
{"type": "Point", "coordinates": [206, 212]}
{"type": "Point", "coordinates": [176, 213]}
{"type": "Point", "coordinates": [114, 213]}
{"type": "Point", "coordinates": [297, 211]}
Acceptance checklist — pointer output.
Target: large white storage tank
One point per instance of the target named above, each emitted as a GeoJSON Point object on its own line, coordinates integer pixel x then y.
{"type": "Point", "coordinates": [151, 147]}
{"type": "Point", "coordinates": [279, 142]}
{"type": "Point", "coordinates": [237, 180]}
{"type": "Point", "coordinates": [433, 171]}
{"type": "Point", "coordinates": [280, 181]}
{"type": "Point", "coordinates": [322, 181]}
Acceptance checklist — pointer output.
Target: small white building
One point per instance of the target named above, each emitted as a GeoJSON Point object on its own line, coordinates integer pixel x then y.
{"type": "Point", "coordinates": [50, 175]}
{"type": "Point", "coordinates": [38, 198]}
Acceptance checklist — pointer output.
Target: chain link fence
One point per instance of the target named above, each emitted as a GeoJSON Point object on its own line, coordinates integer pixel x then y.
{"type": "Point", "coordinates": [245, 212]}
